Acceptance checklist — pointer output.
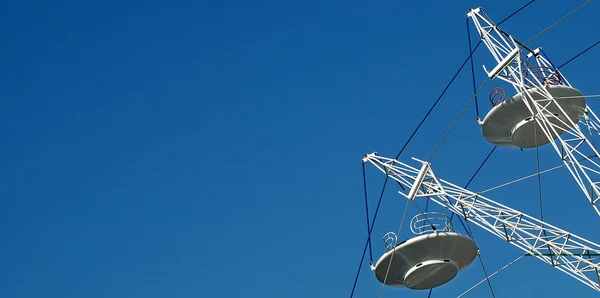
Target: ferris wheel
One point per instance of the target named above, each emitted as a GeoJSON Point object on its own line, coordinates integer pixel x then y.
{"type": "Point", "coordinates": [534, 106]}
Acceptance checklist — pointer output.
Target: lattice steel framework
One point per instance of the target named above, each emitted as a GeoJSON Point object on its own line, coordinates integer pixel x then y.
{"type": "Point", "coordinates": [530, 73]}
{"type": "Point", "coordinates": [563, 250]}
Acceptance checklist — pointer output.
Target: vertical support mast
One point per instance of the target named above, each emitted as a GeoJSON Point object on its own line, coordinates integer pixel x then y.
{"type": "Point", "coordinates": [539, 84]}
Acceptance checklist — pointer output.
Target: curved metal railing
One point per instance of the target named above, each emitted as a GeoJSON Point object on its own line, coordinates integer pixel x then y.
{"type": "Point", "coordinates": [497, 96]}
{"type": "Point", "coordinates": [545, 75]}
{"type": "Point", "coordinates": [428, 222]}
{"type": "Point", "coordinates": [389, 240]}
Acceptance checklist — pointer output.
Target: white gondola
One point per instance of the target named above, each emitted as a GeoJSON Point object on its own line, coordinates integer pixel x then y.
{"type": "Point", "coordinates": [510, 124]}
{"type": "Point", "coordinates": [431, 259]}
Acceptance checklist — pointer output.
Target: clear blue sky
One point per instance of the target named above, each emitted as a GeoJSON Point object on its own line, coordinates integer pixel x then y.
{"type": "Point", "coordinates": [197, 149]}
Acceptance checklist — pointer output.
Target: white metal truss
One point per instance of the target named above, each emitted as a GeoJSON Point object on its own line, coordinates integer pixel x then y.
{"type": "Point", "coordinates": [564, 251]}
{"type": "Point", "coordinates": [592, 123]}
{"type": "Point", "coordinates": [529, 72]}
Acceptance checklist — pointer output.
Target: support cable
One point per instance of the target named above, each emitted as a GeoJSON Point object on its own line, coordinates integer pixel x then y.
{"type": "Point", "coordinates": [473, 71]}
{"type": "Point", "coordinates": [557, 22]}
{"type": "Point", "coordinates": [367, 211]}
{"type": "Point", "coordinates": [479, 283]}
{"type": "Point", "coordinates": [437, 100]}
{"type": "Point", "coordinates": [487, 277]}
{"type": "Point", "coordinates": [537, 162]}
{"type": "Point", "coordinates": [524, 45]}
{"type": "Point", "coordinates": [392, 258]}
{"type": "Point", "coordinates": [457, 120]}
{"type": "Point", "coordinates": [539, 179]}
{"type": "Point", "coordinates": [549, 60]}
{"type": "Point", "coordinates": [475, 174]}
{"type": "Point", "coordinates": [362, 259]}
{"type": "Point", "coordinates": [584, 96]}
{"type": "Point", "coordinates": [481, 166]}
{"type": "Point", "coordinates": [516, 12]}
{"type": "Point", "coordinates": [531, 176]}
{"type": "Point", "coordinates": [578, 55]}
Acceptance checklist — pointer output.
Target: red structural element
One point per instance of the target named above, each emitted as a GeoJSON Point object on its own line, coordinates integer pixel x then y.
{"type": "Point", "coordinates": [546, 75]}
{"type": "Point", "coordinates": [497, 96]}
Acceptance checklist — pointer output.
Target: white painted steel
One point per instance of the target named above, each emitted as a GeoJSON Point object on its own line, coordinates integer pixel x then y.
{"type": "Point", "coordinates": [510, 124]}
{"type": "Point", "coordinates": [426, 261]}
{"type": "Point", "coordinates": [567, 252]}
{"type": "Point", "coordinates": [527, 71]}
